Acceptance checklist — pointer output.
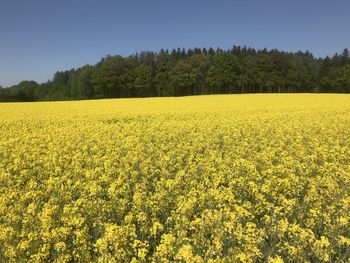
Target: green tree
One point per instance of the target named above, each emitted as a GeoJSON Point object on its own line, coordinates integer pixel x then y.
{"type": "Point", "coordinates": [266, 75]}
{"type": "Point", "coordinates": [223, 73]}
{"type": "Point", "coordinates": [80, 83]}
{"type": "Point", "coordinates": [143, 81]}
{"type": "Point", "coordinates": [112, 77]}
{"type": "Point", "coordinates": [303, 74]}
{"type": "Point", "coordinates": [199, 67]}
{"type": "Point", "coordinates": [162, 79]}
{"type": "Point", "coordinates": [183, 78]}
{"type": "Point", "coordinates": [30, 90]}
{"type": "Point", "coordinates": [338, 79]}
{"type": "Point", "coordinates": [249, 73]}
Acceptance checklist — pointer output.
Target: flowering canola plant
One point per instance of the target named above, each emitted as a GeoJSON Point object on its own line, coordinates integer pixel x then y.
{"type": "Point", "coordinates": [223, 178]}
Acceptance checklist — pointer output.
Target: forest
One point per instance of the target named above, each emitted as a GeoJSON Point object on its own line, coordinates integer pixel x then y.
{"type": "Point", "coordinates": [198, 71]}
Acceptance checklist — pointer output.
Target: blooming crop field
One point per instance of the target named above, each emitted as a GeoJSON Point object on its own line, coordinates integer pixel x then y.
{"type": "Point", "coordinates": [224, 178]}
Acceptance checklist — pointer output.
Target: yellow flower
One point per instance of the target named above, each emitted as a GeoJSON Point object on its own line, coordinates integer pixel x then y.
{"type": "Point", "coordinates": [248, 178]}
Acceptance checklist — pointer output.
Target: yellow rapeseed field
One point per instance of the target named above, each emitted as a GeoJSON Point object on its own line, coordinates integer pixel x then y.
{"type": "Point", "coordinates": [224, 178]}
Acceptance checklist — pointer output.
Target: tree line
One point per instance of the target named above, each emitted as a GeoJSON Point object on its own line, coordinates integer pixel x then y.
{"type": "Point", "coordinates": [197, 71]}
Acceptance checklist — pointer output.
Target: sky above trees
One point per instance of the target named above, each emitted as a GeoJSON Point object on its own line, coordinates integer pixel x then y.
{"type": "Point", "coordinates": [40, 37]}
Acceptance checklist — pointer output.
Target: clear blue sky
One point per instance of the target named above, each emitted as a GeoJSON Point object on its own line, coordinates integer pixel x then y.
{"type": "Point", "coordinates": [39, 37]}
